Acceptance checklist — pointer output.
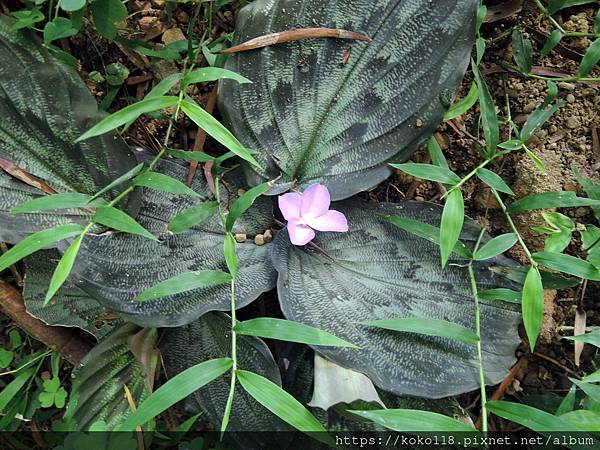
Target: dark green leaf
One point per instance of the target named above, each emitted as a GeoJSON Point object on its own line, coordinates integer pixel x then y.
{"type": "Point", "coordinates": [38, 241]}
{"type": "Point", "coordinates": [63, 269]}
{"type": "Point", "coordinates": [494, 181]}
{"type": "Point", "coordinates": [514, 144]}
{"type": "Point", "coordinates": [71, 5]}
{"type": "Point", "coordinates": [118, 220]}
{"type": "Point", "coordinates": [206, 74]}
{"type": "Point", "coordinates": [183, 283]}
{"type": "Point", "coordinates": [230, 254]}
{"type": "Point", "coordinates": [590, 59]}
{"type": "Point", "coordinates": [592, 189]}
{"type": "Point", "coordinates": [451, 224]}
{"type": "Point", "coordinates": [193, 216]}
{"type": "Point", "coordinates": [128, 114]}
{"type": "Point", "coordinates": [462, 106]}
{"type": "Point", "coordinates": [592, 337]}
{"type": "Point", "coordinates": [55, 201]}
{"type": "Point", "coordinates": [480, 45]}
{"type": "Point", "coordinates": [489, 118]}
{"type": "Point", "coordinates": [245, 201]}
{"type": "Point", "coordinates": [551, 42]}
{"type": "Point", "coordinates": [532, 305]}
{"type": "Point", "coordinates": [496, 246]}
{"type": "Point", "coordinates": [537, 119]}
{"type": "Point", "coordinates": [59, 28]}
{"type": "Point", "coordinates": [410, 421]}
{"type": "Point", "coordinates": [376, 271]}
{"type": "Point", "coordinates": [283, 405]}
{"type": "Point", "coordinates": [106, 13]}
{"type": "Point", "coordinates": [508, 295]}
{"type": "Point", "coordinates": [436, 154]}
{"type": "Point", "coordinates": [191, 156]}
{"type": "Point", "coordinates": [597, 23]}
{"type": "Point", "coordinates": [164, 183]}
{"type": "Point", "coordinates": [213, 128]}
{"type": "Point", "coordinates": [568, 264]}
{"type": "Point", "coordinates": [522, 51]}
{"type": "Point", "coordinates": [286, 330]}
{"type": "Point", "coordinates": [429, 172]}
{"type": "Point", "coordinates": [550, 280]}
{"type": "Point", "coordinates": [565, 199]}
{"type": "Point", "coordinates": [427, 326]}
{"type": "Point", "coordinates": [344, 122]}
{"type": "Point", "coordinates": [532, 418]}
{"type": "Point", "coordinates": [120, 180]}
{"type": "Point", "coordinates": [427, 231]}
{"type": "Point", "coordinates": [14, 387]}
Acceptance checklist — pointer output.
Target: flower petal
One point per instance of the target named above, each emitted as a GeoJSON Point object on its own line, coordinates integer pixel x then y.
{"type": "Point", "coordinates": [289, 204]}
{"type": "Point", "coordinates": [330, 221]}
{"type": "Point", "coordinates": [315, 201]}
{"type": "Point", "coordinates": [300, 234]}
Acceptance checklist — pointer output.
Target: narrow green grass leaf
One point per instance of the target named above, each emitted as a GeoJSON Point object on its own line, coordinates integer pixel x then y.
{"type": "Point", "coordinates": [184, 282]}
{"type": "Point", "coordinates": [427, 231]}
{"type": "Point", "coordinates": [14, 387]}
{"type": "Point", "coordinates": [597, 23]}
{"type": "Point", "coordinates": [164, 86]}
{"type": "Point", "coordinates": [494, 181]}
{"type": "Point", "coordinates": [163, 183]}
{"type": "Point", "coordinates": [528, 416]}
{"type": "Point", "coordinates": [568, 402]}
{"type": "Point", "coordinates": [536, 160]}
{"type": "Point", "coordinates": [287, 330]}
{"type": "Point", "coordinates": [514, 144]}
{"type": "Point", "coordinates": [193, 216]}
{"type": "Point", "coordinates": [453, 218]}
{"type": "Point", "coordinates": [414, 420]}
{"type": "Point", "coordinates": [190, 156]}
{"type": "Point", "coordinates": [591, 390]}
{"type": "Point", "coordinates": [496, 246]}
{"type": "Point", "coordinates": [568, 264]}
{"type": "Point", "coordinates": [283, 405]}
{"type": "Point", "coordinates": [128, 114]}
{"type": "Point", "coordinates": [427, 326]}
{"type": "Point", "coordinates": [120, 180]}
{"type": "Point", "coordinates": [206, 74]}
{"type": "Point", "coordinates": [552, 41]}
{"type": "Point", "coordinates": [63, 269]}
{"type": "Point", "coordinates": [593, 338]}
{"type": "Point", "coordinates": [462, 106]}
{"type": "Point", "coordinates": [564, 199]}
{"type": "Point", "coordinates": [480, 45]}
{"type": "Point", "coordinates": [436, 154]}
{"type": "Point", "coordinates": [590, 59]}
{"type": "Point", "coordinates": [230, 254]}
{"type": "Point", "coordinates": [489, 119]}
{"type": "Point", "coordinates": [429, 172]}
{"type": "Point", "coordinates": [508, 295]}
{"type": "Point", "coordinates": [38, 241]}
{"type": "Point", "coordinates": [66, 200]}
{"type": "Point", "coordinates": [532, 305]}
{"type": "Point", "coordinates": [176, 389]}
{"type": "Point", "coordinates": [245, 201]}
{"type": "Point", "coordinates": [118, 220]}
{"type": "Point", "coordinates": [215, 129]}
{"type": "Point", "coordinates": [522, 51]}
{"type": "Point", "coordinates": [537, 119]}
{"type": "Point", "coordinates": [595, 376]}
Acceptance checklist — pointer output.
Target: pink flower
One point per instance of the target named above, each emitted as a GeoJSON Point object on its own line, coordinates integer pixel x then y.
{"type": "Point", "coordinates": [310, 211]}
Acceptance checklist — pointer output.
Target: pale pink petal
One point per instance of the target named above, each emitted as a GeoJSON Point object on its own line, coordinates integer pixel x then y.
{"type": "Point", "coordinates": [289, 204]}
{"type": "Point", "coordinates": [315, 201]}
{"type": "Point", "coordinates": [300, 234]}
{"type": "Point", "coordinates": [330, 221]}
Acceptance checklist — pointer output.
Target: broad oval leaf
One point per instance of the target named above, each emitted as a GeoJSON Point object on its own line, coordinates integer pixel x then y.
{"type": "Point", "coordinates": [99, 380]}
{"type": "Point", "coordinates": [39, 136]}
{"type": "Point", "coordinates": [411, 420]}
{"type": "Point", "coordinates": [314, 117]}
{"type": "Point", "coordinates": [376, 271]}
{"type": "Point", "coordinates": [286, 330]}
{"type": "Point", "coordinates": [496, 246]}
{"type": "Point", "coordinates": [106, 270]}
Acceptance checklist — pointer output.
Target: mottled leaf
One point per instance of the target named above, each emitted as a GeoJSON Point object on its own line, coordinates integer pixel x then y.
{"type": "Point", "coordinates": [313, 117]}
{"type": "Point", "coordinates": [376, 271]}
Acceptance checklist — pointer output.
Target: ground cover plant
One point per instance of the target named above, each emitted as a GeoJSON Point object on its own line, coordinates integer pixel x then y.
{"type": "Point", "coordinates": [258, 281]}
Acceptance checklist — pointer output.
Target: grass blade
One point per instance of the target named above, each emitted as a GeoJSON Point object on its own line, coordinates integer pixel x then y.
{"type": "Point", "coordinates": [120, 180]}
{"type": "Point", "coordinates": [206, 74]}
{"type": "Point", "coordinates": [163, 183]}
{"type": "Point", "coordinates": [245, 201]}
{"type": "Point", "coordinates": [63, 269]}
{"type": "Point", "coordinates": [287, 330]}
{"type": "Point", "coordinates": [413, 420]}
{"type": "Point", "coordinates": [493, 181]}
{"type": "Point", "coordinates": [183, 283]}
{"type": "Point", "coordinates": [590, 59]}
{"type": "Point", "coordinates": [508, 295]}
{"type": "Point", "coordinates": [453, 218]}
{"type": "Point", "coordinates": [193, 216]}
{"type": "Point", "coordinates": [462, 106]}
{"type": "Point", "coordinates": [532, 305]}
{"type": "Point", "coordinates": [427, 326]}
{"type": "Point", "coordinates": [563, 199]}
{"type": "Point", "coordinates": [568, 264]}
{"type": "Point", "coordinates": [65, 200]}
{"type": "Point", "coordinates": [532, 418]}
{"type": "Point", "coordinates": [429, 172]}
{"type": "Point", "coordinates": [489, 119]}
{"type": "Point", "coordinates": [118, 220]}
{"type": "Point", "coordinates": [496, 246]}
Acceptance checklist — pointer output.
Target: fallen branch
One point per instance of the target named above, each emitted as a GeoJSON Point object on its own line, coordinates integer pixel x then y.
{"type": "Point", "coordinates": [63, 340]}
{"type": "Point", "coordinates": [295, 35]}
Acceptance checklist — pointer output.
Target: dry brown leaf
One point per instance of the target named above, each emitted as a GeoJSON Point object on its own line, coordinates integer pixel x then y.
{"type": "Point", "coordinates": [579, 328]}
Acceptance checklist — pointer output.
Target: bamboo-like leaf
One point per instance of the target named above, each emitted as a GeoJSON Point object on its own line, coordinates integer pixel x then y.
{"type": "Point", "coordinates": [590, 59]}
{"type": "Point", "coordinates": [552, 41]}
{"type": "Point", "coordinates": [55, 201]}
{"type": "Point", "coordinates": [513, 144]}
{"type": "Point", "coordinates": [493, 181]}
{"type": "Point", "coordinates": [38, 241]}
{"type": "Point", "coordinates": [213, 128]}
{"type": "Point", "coordinates": [564, 199]}
{"type": "Point", "coordinates": [429, 172]}
{"type": "Point", "coordinates": [119, 220]}
{"type": "Point", "coordinates": [522, 51]}
{"type": "Point", "coordinates": [128, 114]}
{"type": "Point", "coordinates": [230, 254]}
{"type": "Point", "coordinates": [119, 180]}
{"type": "Point", "coordinates": [496, 246]}
{"type": "Point", "coordinates": [591, 390]}
{"type": "Point", "coordinates": [63, 269]}
{"type": "Point", "coordinates": [451, 225]}
{"type": "Point", "coordinates": [245, 201]}
{"type": "Point", "coordinates": [427, 326]}
{"type": "Point", "coordinates": [532, 418]}
{"type": "Point", "coordinates": [193, 216]}
{"type": "Point", "coordinates": [183, 283]}
{"type": "Point", "coordinates": [537, 119]}
{"type": "Point", "coordinates": [436, 154]}
{"type": "Point", "coordinates": [593, 377]}
{"type": "Point", "coordinates": [508, 295]}
{"type": "Point", "coordinates": [593, 338]}
{"type": "Point", "coordinates": [190, 156]}
{"type": "Point", "coordinates": [491, 127]}
{"type": "Point", "coordinates": [165, 183]}
{"type": "Point", "coordinates": [532, 305]}
{"type": "Point", "coordinates": [462, 106]}
{"type": "Point", "coordinates": [411, 421]}
{"type": "Point", "coordinates": [206, 74]}
{"type": "Point", "coordinates": [11, 389]}
{"type": "Point", "coordinates": [287, 330]}
{"type": "Point", "coordinates": [568, 264]}
{"type": "Point", "coordinates": [176, 389]}
{"type": "Point", "coordinates": [283, 405]}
